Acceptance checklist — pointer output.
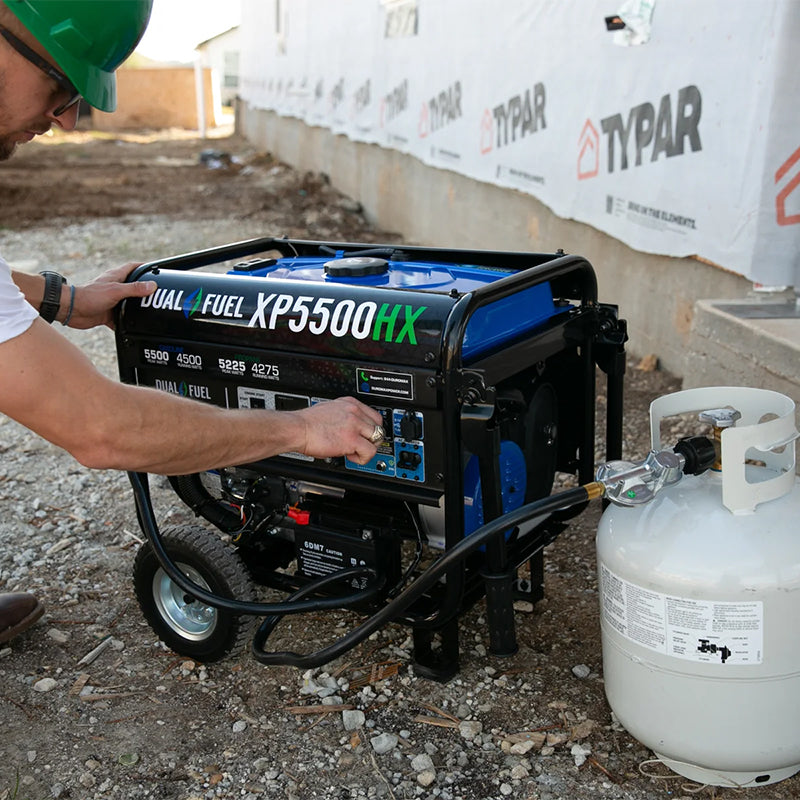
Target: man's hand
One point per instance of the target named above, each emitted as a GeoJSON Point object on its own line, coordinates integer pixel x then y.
{"type": "Point", "coordinates": [95, 301]}
{"type": "Point", "coordinates": [340, 427]}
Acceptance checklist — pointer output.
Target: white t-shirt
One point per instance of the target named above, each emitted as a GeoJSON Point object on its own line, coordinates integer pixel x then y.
{"type": "Point", "coordinates": [16, 313]}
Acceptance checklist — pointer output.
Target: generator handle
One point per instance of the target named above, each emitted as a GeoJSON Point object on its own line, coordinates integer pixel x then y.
{"type": "Point", "coordinates": [551, 269]}
{"type": "Point", "coordinates": [556, 272]}
{"type": "Point", "coordinates": [203, 258]}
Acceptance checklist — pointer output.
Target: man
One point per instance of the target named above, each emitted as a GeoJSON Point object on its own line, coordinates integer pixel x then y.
{"type": "Point", "coordinates": [52, 53]}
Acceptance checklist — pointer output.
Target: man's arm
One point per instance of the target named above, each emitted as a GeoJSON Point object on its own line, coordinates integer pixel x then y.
{"type": "Point", "coordinates": [91, 304]}
{"type": "Point", "coordinates": [49, 386]}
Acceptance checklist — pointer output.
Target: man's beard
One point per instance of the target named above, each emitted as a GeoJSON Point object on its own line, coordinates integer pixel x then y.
{"type": "Point", "coordinates": [7, 149]}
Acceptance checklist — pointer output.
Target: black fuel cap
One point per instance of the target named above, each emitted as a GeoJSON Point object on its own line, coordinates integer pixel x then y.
{"type": "Point", "coordinates": [356, 267]}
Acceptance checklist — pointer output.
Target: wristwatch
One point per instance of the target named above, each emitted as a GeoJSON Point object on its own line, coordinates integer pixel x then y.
{"type": "Point", "coordinates": [51, 301]}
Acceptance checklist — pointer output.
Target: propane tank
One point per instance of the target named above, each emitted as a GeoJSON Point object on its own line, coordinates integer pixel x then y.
{"type": "Point", "coordinates": [699, 591]}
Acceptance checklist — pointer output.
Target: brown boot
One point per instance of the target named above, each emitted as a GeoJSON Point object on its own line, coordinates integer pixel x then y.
{"type": "Point", "coordinates": [18, 611]}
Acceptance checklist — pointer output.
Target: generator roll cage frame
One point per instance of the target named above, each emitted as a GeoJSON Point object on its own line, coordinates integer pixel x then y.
{"type": "Point", "coordinates": [468, 413]}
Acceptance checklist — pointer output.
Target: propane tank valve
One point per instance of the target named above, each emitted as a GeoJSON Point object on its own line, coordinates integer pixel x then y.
{"type": "Point", "coordinates": [699, 454]}
{"type": "Point", "coordinates": [633, 483]}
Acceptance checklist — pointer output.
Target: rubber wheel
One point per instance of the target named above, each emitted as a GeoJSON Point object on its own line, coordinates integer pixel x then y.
{"type": "Point", "coordinates": [184, 624]}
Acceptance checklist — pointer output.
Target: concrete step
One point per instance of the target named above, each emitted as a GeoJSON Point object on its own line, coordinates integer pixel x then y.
{"type": "Point", "coordinates": [745, 343]}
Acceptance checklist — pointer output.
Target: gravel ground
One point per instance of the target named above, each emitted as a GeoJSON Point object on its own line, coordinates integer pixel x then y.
{"type": "Point", "coordinates": [137, 721]}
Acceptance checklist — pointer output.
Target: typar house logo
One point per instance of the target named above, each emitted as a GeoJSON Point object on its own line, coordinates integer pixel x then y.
{"type": "Point", "coordinates": [515, 118]}
{"type": "Point", "coordinates": [441, 110]}
{"type": "Point", "coordinates": [787, 201]}
{"type": "Point", "coordinates": [394, 103]}
{"type": "Point", "coordinates": [362, 98]}
{"type": "Point", "coordinates": [645, 134]}
{"type": "Point", "coordinates": [588, 152]}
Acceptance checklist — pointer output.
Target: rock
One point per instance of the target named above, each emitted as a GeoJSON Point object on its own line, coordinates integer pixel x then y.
{"type": "Point", "coordinates": [554, 739]}
{"type": "Point", "coordinates": [469, 729]}
{"type": "Point", "coordinates": [579, 753]}
{"type": "Point", "coordinates": [648, 363]}
{"type": "Point", "coordinates": [87, 780]}
{"type": "Point", "coordinates": [332, 700]}
{"type": "Point", "coordinates": [421, 763]}
{"type": "Point", "coordinates": [384, 743]}
{"type": "Point", "coordinates": [426, 777]}
{"type": "Point", "coordinates": [519, 772]}
{"type": "Point", "coordinates": [582, 729]}
{"type": "Point", "coordinates": [353, 719]}
{"type": "Point", "coordinates": [581, 671]}
{"type": "Point", "coordinates": [45, 685]}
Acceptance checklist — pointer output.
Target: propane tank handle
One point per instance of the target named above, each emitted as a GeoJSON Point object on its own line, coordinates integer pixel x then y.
{"type": "Point", "coordinates": [773, 440]}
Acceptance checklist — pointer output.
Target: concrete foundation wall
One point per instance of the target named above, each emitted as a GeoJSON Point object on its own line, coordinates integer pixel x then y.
{"type": "Point", "coordinates": [656, 294]}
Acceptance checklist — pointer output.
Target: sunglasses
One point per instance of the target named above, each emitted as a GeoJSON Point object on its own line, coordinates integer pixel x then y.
{"type": "Point", "coordinates": [73, 95]}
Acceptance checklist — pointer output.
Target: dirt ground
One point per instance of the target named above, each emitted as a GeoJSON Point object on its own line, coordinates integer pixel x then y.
{"type": "Point", "coordinates": [156, 725]}
{"type": "Point", "coordinates": [87, 175]}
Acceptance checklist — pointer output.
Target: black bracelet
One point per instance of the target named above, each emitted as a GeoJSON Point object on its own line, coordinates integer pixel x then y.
{"type": "Point", "coordinates": [51, 300]}
{"type": "Point", "coordinates": [71, 305]}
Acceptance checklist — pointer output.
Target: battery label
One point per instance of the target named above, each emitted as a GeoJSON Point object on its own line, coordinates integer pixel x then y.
{"type": "Point", "coordinates": [317, 559]}
{"type": "Point", "coordinates": [703, 631]}
{"type": "Point", "coordinates": [320, 554]}
{"type": "Point", "coordinates": [382, 383]}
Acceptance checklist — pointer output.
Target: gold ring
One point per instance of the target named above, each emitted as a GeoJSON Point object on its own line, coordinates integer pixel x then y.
{"type": "Point", "coordinates": [377, 435]}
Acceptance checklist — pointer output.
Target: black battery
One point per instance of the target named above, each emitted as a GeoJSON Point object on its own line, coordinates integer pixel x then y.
{"type": "Point", "coordinates": [320, 552]}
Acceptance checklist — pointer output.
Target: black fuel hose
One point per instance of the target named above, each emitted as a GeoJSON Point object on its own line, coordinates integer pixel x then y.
{"type": "Point", "coordinates": [371, 252]}
{"type": "Point", "coordinates": [556, 502]}
{"type": "Point", "coordinates": [190, 489]}
{"type": "Point", "coordinates": [150, 529]}
{"type": "Point", "coordinates": [296, 605]}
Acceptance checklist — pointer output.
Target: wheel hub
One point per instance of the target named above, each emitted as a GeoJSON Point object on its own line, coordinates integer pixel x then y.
{"type": "Point", "coordinates": [186, 615]}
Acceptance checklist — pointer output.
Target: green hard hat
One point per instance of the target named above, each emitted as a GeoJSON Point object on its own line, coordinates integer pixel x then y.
{"type": "Point", "coordinates": [88, 39]}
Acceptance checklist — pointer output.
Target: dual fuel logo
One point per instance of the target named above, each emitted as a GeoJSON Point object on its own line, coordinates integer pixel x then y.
{"type": "Point", "coordinates": [192, 302]}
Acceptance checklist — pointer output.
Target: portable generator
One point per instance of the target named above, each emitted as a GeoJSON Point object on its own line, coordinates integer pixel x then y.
{"type": "Point", "coordinates": [483, 366]}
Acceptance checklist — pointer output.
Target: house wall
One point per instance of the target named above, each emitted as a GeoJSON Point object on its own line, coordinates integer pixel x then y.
{"type": "Point", "coordinates": [219, 55]}
{"type": "Point", "coordinates": [163, 97]}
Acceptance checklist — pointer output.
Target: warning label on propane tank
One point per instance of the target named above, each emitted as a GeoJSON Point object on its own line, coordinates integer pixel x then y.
{"type": "Point", "coordinates": [706, 631]}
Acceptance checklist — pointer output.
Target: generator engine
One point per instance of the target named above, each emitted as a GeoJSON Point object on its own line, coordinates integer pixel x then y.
{"type": "Point", "coordinates": [482, 365]}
